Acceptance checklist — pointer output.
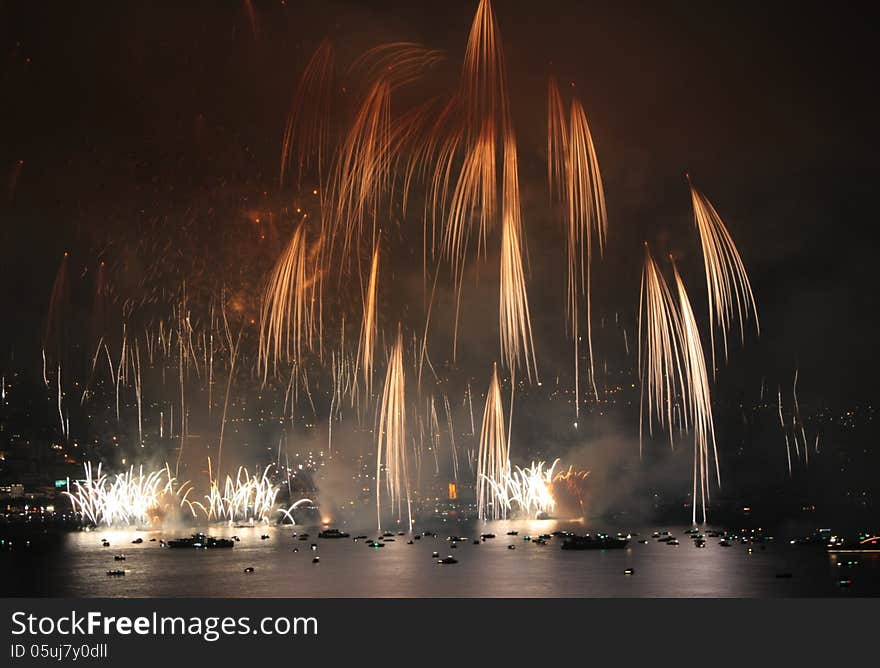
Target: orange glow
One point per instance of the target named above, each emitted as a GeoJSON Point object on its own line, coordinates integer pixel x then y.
{"type": "Point", "coordinates": [453, 491]}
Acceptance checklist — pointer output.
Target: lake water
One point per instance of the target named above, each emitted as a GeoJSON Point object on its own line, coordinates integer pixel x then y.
{"type": "Point", "coordinates": [74, 564]}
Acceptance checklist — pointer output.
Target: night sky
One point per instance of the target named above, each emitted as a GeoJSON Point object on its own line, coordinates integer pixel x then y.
{"type": "Point", "coordinates": [124, 112]}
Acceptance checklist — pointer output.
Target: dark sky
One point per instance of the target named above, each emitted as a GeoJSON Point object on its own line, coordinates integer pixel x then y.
{"type": "Point", "coordinates": [121, 111]}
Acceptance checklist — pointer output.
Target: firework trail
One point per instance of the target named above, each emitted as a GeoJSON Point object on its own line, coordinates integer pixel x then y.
{"type": "Point", "coordinates": [699, 401]}
{"type": "Point", "coordinates": [435, 435]}
{"type": "Point", "coordinates": [391, 445]}
{"type": "Point", "coordinates": [784, 431]}
{"type": "Point", "coordinates": [660, 355]}
{"type": "Point", "coordinates": [673, 371]}
{"type": "Point", "coordinates": [465, 145]}
{"type": "Point", "coordinates": [364, 168]}
{"type": "Point", "coordinates": [285, 313]}
{"type": "Point", "coordinates": [574, 176]}
{"type": "Point", "coordinates": [307, 133]}
{"type": "Point", "coordinates": [730, 293]}
{"type": "Point", "coordinates": [797, 424]}
{"type": "Point", "coordinates": [483, 106]}
{"type": "Point", "coordinates": [369, 327]}
{"type": "Point", "coordinates": [287, 513]}
{"type": "Point", "coordinates": [56, 315]}
{"type": "Point", "coordinates": [233, 356]}
{"type": "Point", "coordinates": [138, 389]}
{"type": "Point", "coordinates": [252, 18]}
{"type": "Point", "coordinates": [515, 326]}
{"type": "Point", "coordinates": [493, 460]}
{"type": "Point", "coordinates": [451, 430]}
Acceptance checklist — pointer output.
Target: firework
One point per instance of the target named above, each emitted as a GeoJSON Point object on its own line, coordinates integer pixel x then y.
{"type": "Point", "coordinates": [699, 400]}
{"type": "Point", "coordinates": [730, 293]}
{"type": "Point", "coordinates": [130, 498]}
{"type": "Point", "coordinates": [369, 326]}
{"type": "Point", "coordinates": [391, 445]}
{"type": "Point", "coordinates": [574, 176]}
{"type": "Point", "coordinates": [245, 497]}
{"type": "Point", "coordinates": [307, 133]}
{"type": "Point", "coordinates": [673, 371]}
{"type": "Point", "coordinates": [515, 326]}
{"type": "Point", "coordinates": [368, 148]}
{"type": "Point", "coordinates": [285, 314]}
{"type": "Point", "coordinates": [784, 431]}
{"type": "Point", "coordinates": [525, 491]}
{"type": "Point", "coordinates": [287, 513]}
{"type": "Point", "coordinates": [493, 461]}
{"type": "Point", "coordinates": [659, 357]}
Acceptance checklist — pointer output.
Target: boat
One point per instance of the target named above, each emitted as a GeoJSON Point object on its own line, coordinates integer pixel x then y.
{"type": "Point", "coordinates": [116, 573]}
{"type": "Point", "coordinates": [332, 533]}
{"type": "Point", "coordinates": [448, 560]}
{"type": "Point", "coordinates": [513, 533]}
{"type": "Point", "coordinates": [869, 544]}
{"type": "Point", "coordinates": [119, 557]}
{"type": "Point", "coordinates": [138, 541]}
{"type": "Point", "coordinates": [200, 541]}
{"type": "Point", "coordinates": [487, 535]}
{"type": "Point", "coordinates": [594, 543]}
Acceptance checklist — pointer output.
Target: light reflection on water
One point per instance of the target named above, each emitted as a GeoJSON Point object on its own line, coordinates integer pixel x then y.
{"type": "Point", "coordinates": [78, 566]}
